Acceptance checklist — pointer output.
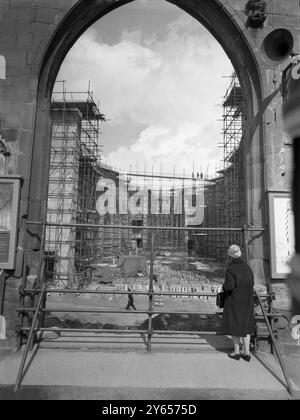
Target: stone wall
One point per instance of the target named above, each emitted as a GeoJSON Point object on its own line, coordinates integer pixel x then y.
{"type": "Point", "coordinates": [116, 241]}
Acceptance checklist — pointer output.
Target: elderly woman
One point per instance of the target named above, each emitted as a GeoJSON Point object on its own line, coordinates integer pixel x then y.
{"type": "Point", "coordinates": [238, 316]}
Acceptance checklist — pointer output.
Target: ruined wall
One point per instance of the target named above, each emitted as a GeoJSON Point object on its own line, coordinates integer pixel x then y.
{"type": "Point", "coordinates": [114, 242]}
{"type": "Point", "coordinates": [35, 35]}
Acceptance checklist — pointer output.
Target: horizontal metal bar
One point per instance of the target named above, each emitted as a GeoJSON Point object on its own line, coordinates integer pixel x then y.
{"type": "Point", "coordinates": [117, 292]}
{"type": "Point", "coordinates": [86, 330]}
{"type": "Point", "coordinates": [108, 311]}
{"type": "Point", "coordinates": [137, 337]}
{"type": "Point", "coordinates": [200, 181]}
{"type": "Point", "coordinates": [179, 228]}
{"type": "Point", "coordinates": [171, 332]}
{"type": "Point", "coordinates": [190, 343]}
{"type": "Point", "coordinates": [95, 337]}
{"type": "Point", "coordinates": [95, 342]}
{"type": "Point", "coordinates": [112, 331]}
{"type": "Point", "coordinates": [121, 292]}
{"type": "Point", "coordinates": [89, 292]}
{"type": "Point", "coordinates": [270, 315]}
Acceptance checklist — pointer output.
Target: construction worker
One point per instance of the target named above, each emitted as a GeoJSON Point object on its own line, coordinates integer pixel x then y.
{"type": "Point", "coordinates": [130, 301]}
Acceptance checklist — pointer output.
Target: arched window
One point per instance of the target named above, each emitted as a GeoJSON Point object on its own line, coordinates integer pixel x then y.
{"type": "Point", "coordinates": [2, 67]}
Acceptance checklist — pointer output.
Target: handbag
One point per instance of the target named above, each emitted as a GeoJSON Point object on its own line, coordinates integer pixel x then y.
{"type": "Point", "coordinates": [220, 299]}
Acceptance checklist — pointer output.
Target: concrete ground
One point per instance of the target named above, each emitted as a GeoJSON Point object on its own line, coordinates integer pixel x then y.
{"type": "Point", "coordinates": [290, 350]}
{"type": "Point", "coordinates": [4, 352]}
{"type": "Point", "coordinates": [205, 373]}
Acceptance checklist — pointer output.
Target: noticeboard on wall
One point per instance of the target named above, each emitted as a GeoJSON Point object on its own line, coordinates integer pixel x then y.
{"type": "Point", "coordinates": [282, 236]}
{"type": "Point", "coordinates": [9, 209]}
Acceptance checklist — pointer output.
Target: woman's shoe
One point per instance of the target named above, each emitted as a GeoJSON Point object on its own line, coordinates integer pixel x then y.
{"type": "Point", "coordinates": [246, 357]}
{"type": "Point", "coordinates": [234, 356]}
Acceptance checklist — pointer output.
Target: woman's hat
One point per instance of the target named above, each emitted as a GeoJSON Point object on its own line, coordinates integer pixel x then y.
{"type": "Point", "coordinates": [234, 251]}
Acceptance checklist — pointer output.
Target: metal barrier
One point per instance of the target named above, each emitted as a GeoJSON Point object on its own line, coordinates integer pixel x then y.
{"type": "Point", "coordinates": [30, 338]}
{"type": "Point", "coordinates": [280, 359]}
{"type": "Point", "coordinates": [41, 291]}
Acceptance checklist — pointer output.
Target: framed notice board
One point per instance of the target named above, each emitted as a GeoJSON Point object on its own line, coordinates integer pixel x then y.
{"type": "Point", "coordinates": [9, 210]}
{"type": "Point", "coordinates": [282, 236]}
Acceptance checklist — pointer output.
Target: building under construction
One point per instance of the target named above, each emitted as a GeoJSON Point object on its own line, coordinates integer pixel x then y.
{"type": "Point", "coordinates": [72, 250]}
{"type": "Point", "coordinates": [75, 154]}
{"type": "Point", "coordinates": [223, 198]}
{"type": "Point", "coordinates": [76, 171]}
{"type": "Point", "coordinates": [157, 208]}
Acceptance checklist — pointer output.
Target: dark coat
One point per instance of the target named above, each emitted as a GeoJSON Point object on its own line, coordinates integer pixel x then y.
{"type": "Point", "coordinates": [130, 298]}
{"type": "Point", "coordinates": [238, 315]}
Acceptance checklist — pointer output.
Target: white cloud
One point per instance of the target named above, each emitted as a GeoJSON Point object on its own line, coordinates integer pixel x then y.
{"type": "Point", "coordinates": [170, 85]}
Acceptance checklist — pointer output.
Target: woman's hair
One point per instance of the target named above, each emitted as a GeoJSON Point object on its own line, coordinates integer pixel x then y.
{"type": "Point", "coordinates": [234, 251]}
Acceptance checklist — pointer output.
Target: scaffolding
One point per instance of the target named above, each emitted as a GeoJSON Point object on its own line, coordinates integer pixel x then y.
{"type": "Point", "coordinates": [116, 242]}
{"type": "Point", "coordinates": [74, 159]}
{"type": "Point", "coordinates": [76, 167]}
{"type": "Point", "coordinates": [233, 127]}
{"type": "Point", "coordinates": [224, 197]}
{"type": "Point", "coordinates": [233, 120]}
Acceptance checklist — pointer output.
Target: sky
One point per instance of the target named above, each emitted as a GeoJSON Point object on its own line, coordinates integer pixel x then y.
{"type": "Point", "coordinates": [158, 75]}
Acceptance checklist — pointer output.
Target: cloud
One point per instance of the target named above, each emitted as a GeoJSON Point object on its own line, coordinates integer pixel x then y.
{"type": "Point", "coordinates": [164, 147]}
{"type": "Point", "coordinates": [167, 84]}
{"type": "Point", "coordinates": [149, 5]}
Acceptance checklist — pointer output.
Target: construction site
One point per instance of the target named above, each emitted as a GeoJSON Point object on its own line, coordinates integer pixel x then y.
{"type": "Point", "coordinates": [224, 197]}
{"type": "Point", "coordinates": [87, 251]}
{"type": "Point", "coordinates": [76, 168]}
{"type": "Point", "coordinates": [126, 280]}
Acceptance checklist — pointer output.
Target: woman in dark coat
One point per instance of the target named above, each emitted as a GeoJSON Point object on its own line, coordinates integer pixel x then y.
{"type": "Point", "coordinates": [238, 315]}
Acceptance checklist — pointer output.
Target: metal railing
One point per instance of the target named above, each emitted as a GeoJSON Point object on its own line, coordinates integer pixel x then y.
{"type": "Point", "coordinates": [151, 293]}
{"type": "Point", "coordinates": [30, 339]}
{"type": "Point", "coordinates": [278, 354]}
{"type": "Point", "coordinates": [41, 291]}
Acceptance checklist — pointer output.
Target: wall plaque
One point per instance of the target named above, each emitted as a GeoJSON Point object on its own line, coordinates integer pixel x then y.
{"type": "Point", "coordinates": [282, 236]}
{"type": "Point", "coordinates": [9, 210]}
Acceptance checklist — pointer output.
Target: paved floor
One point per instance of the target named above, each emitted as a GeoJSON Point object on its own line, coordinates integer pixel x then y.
{"type": "Point", "coordinates": [60, 374]}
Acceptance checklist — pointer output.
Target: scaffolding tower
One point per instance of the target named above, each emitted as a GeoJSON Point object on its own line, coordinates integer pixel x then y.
{"type": "Point", "coordinates": [224, 198]}
{"type": "Point", "coordinates": [233, 120]}
{"type": "Point", "coordinates": [229, 200]}
{"type": "Point", "coordinates": [233, 128]}
{"type": "Point", "coordinates": [73, 174]}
